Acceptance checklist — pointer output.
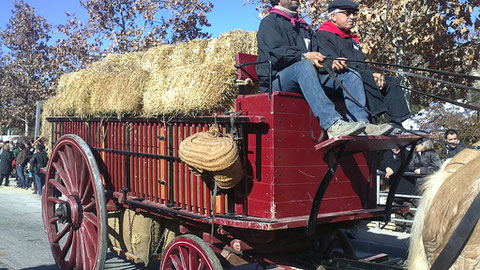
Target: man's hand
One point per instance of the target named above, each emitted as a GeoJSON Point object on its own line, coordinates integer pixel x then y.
{"type": "Point", "coordinates": [316, 58]}
{"type": "Point", "coordinates": [339, 64]}
{"type": "Point", "coordinates": [379, 80]}
{"type": "Point", "coordinates": [417, 171]}
{"type": "Point", "coordinates": [388, 172]}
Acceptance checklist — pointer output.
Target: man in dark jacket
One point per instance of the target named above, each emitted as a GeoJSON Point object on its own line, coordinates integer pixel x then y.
{"type": "Point", "coordinates": [390, 164]}
{"type": "Point", "coordinates": [20, 162]}
{"type": "Point", "coordinates": [38, 161]}
{"type": "Point", "coordinates": [284, 39]}
{"type": "Point", "coordinates": [451, 136]}
{"type": "Point", "coordinates": [334, 39]}
{"type": "Point", "coordinates": [6, 158]}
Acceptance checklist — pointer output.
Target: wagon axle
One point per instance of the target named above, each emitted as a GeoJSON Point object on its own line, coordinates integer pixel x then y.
{"type": "Point", "coordinates": [70, 211]}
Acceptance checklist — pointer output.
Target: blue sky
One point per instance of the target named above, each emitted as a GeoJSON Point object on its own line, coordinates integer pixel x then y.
{"type": "Point", "coordinates": [225, 16]}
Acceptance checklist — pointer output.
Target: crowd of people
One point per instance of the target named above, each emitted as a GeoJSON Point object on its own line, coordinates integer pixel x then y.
{"type": "Point", "coordinates": [425, 161]}
{"type": "Point", "coordinates": [23, 161]}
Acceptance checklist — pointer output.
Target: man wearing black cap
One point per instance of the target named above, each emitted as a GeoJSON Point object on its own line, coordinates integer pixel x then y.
{"type": "Point", "coordinates": [284, 39]}
{"type": "Point", "coordinates": [334, 39]}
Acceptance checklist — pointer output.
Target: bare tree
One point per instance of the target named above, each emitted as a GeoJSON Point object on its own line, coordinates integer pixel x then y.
{"type": "Point", "coordinates": [25, 74]}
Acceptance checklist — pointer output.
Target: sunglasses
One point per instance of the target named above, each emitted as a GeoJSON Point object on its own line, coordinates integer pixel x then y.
{"type": "Point", "coordinates": [348, 13]}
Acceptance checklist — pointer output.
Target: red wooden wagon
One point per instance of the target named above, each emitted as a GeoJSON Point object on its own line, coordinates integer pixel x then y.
{"type": "Point", "coordinates": [295, 193]}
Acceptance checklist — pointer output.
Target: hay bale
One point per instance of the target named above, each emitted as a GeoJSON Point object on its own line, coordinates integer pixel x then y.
{"type": "Point", "coordinates": [186, 79]}
{"type": "Point", "coordinates": [200, 79]}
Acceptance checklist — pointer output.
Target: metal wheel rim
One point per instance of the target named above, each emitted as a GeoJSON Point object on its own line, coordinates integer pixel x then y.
{"type": "Point", "coordinates": [80, 210]}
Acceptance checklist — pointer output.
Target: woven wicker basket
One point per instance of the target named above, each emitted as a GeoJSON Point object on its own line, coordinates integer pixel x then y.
{"type": "Point", "coordinates": [214, 154]}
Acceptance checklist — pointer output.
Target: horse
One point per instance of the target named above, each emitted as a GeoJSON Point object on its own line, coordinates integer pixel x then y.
{"type": "Point", "coordinates": [446, 196]}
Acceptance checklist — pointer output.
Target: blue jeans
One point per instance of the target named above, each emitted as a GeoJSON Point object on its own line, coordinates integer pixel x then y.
{"type": "Point", "coordinates": [39, 179]}
{"type": "Point", "coordinates": [352, 81]}
{"type": "Point", "coordinates": [21, 176]}
{"type": "Point", "coordinates": [302, 77]}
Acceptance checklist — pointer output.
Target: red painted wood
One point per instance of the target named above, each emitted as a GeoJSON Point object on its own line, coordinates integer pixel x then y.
{"type": "Point", "coordinates": [165, 165]}
{"type": "Point", "coordinates": [175, 166]}
{"type": "Point", "coordinates": [246, 71]}
{"type": "Point", "coordinates": [134, 177]}
{"type": "Point", "coordinates": [189, 177]}
{"type": "Point", "coordinates": [155, 163]}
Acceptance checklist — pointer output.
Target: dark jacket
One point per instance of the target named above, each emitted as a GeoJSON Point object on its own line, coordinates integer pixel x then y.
{"type": "Point", "coordinates": [406, 184]}
{"type": "Point", "coordinates": [428, 161]}
{"type": "Point", "coordinates": [333, 46]}
{"type": "Point", "coordinates": [21, 159]}
{"type": "Point", "coordinates": [391, 99]}
{"type": "Point", "coordinates": [451, 152]}
{"type": "Point", "coordinates": [38, 160]}
{"type": "Point", "coordinates": [6, 158]}
{"type": "Point", "coordinates": [281, 43]}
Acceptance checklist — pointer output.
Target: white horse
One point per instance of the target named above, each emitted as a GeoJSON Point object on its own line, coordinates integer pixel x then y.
{"type": "Point", "coordinates": [446, 196]}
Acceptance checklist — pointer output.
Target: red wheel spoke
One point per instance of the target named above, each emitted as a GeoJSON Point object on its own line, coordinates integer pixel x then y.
{"type": "Point", "coordinates": [69, 166]}
{"type": "Point", "coordinates": [88, 192]}
{"type": "Point", "coordinates": [53, 220]}
{"type": "Point", "coordinates": [89, 207]}
{"type": "Point", "coordinates": [73, 165]}
{"type": "Point", "coordinates": [84, 249]}
{"type": "Point", "coordinates": [66, 229]}
{"type": "Point", "coordinates": [82, 177]}
{"type": "Point", "coordinates": [65, 179]}
{"type": "Point", "coordinates": [79, 255]}
{"type": "Point", "coordinates": [191, 262]}
{"type": "Point", "coordinates": [183, 257]}
{"type": "Point", "coordinates": [201, 264]}
{"type": "Point", "coordinates": [73, 253]}
{"type": "Point", "coordinates": [67, 246]}
{"type": "Point", "coordinates": [175, 261]}
{"type": "Point", "coordinates": [54, 200]}
{"type": "Point", "coordinates": [91, 218]}
{"type": "Point", "coordinates": [90, 237]}
{"type": "Point", "coordinates": [58, 186]}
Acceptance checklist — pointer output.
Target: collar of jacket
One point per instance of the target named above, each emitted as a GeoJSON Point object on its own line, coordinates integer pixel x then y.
{"type": "Point", "coordinates": [293, 20]}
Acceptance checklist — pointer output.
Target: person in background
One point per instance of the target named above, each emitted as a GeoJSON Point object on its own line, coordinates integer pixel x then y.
{"type": "Point", "coordinates": [451, 136]}
{"type": "Point", "coordinates": [6, 158]}
{"type": "Point", "coordinates": [38, 161]}
{"type": "Point", "coordinates": [335, 40]}
{"type": "Point", "coordinates": [406, 186]}
{"type": "Point", "coordinates": [284, 39]}
{"type": "Point", "coordinates": [15, 152]}
{"type": "Point", "coordinates": [425, 160]}
{"type": "Point", "coordinates": [20, 162]}
{"type": "Point", "coordinates": [28, 172]}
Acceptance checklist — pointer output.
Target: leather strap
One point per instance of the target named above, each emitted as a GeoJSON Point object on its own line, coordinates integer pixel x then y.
{"type": "Point", "coordinates": [459, 238]}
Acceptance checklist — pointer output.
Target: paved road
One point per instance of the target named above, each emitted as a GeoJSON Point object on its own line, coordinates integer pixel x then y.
{"type": "Point", "coordinates": [23, 243]}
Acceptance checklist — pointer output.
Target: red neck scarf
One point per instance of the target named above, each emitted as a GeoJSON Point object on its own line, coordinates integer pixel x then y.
{"type": "Point", "coordinates": [293, 20]}
{"type": "Point", "coordinates": [328, 26]}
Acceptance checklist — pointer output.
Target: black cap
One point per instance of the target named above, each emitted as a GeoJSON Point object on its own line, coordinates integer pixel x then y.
{"type": "Point", "coordinates": [342, 4]}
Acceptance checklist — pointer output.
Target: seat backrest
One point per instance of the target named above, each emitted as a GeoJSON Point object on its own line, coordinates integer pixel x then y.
{"type": "Point", "coordinates": [247, 71]}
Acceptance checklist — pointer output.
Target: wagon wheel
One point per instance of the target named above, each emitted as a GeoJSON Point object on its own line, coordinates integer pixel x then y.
{"type": "Point", "coordinates": [189, 252]}
{"type": "Point", "coordinates": [73, 206]}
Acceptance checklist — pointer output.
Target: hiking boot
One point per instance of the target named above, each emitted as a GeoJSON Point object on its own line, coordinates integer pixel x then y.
{"type": "Point", "coordinates": [375, 130]}
{"type": "Point", "coordinates": [342, 128]}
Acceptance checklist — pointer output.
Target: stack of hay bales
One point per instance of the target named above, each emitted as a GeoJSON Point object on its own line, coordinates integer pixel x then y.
{"type": "Point", "coordinates": [186, 79]}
